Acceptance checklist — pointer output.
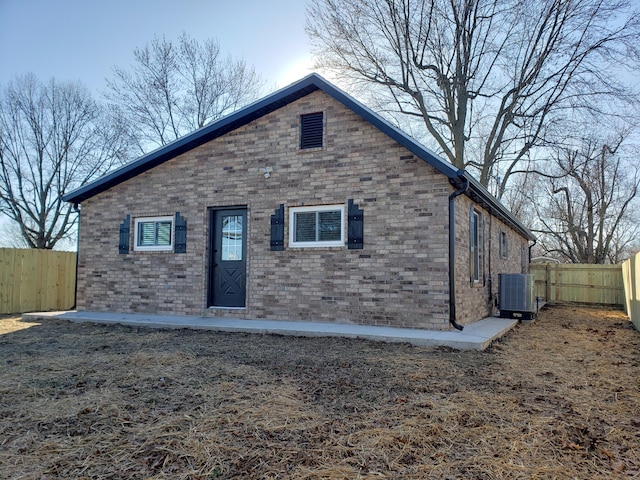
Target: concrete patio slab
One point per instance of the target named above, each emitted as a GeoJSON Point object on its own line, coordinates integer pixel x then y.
{"type": "Point", "coordinates": [475, 336]}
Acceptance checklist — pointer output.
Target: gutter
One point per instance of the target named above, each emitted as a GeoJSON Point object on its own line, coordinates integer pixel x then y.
{"type": "Point", "coordinates": [452, 253]}
{"type": "Point", "coordinates": [482, 197]}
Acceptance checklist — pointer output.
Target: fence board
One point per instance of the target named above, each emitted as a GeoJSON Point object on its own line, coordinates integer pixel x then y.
{"type": "Point", "coordinates": [631, 278]}
{"type": "Point", "coordinates": [67, 282]}
{"type": "Point", "coordinates": [28, 280]}
{"type": "Point", "coordinates": [589, 284]}
{"type": "Point", "coordinates": [36, 280]}
{"type": "Point", "coordinates": [9, 295]}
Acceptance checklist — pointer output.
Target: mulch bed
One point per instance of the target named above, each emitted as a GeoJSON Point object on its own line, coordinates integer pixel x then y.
{"type": "Point", "coordinates": [559, 398]}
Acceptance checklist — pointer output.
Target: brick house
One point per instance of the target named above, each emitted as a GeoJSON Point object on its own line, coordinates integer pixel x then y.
{"type": "Point", "coordinates": [305, 205]}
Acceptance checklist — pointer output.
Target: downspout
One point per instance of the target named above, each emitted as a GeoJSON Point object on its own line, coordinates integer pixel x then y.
{"type": "Point", "coordinates": [75, 290]}
{"type": "Point", "coordinates": [452, 254]}
{"type": "Point", "coordinates": [490, 276]}
{"type": "Point", "coordinates": [531, 247]}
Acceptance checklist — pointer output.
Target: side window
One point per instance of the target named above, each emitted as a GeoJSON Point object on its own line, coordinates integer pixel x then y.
{"type": "Point", "coordinates": [311, 130]}
{"type": "Point", "coordinates": [319, 226]}
{"type": "Point", "coordinates": [504, 245]}
{"type": "Point", "coordinates": [476, 246]}
{"type": "Point", "coordinates": [154, 234]}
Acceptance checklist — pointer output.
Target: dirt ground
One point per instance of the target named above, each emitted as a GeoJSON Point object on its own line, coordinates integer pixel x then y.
{"type": "Point", "coordinates": [557, 399]}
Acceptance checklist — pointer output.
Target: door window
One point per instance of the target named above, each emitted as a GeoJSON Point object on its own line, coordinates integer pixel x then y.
{"type": "Point", "coordinates": [231, 238]}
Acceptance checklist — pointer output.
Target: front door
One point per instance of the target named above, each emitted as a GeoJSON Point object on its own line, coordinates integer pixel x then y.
{"type": "Point", "coordinates": [228, 258]}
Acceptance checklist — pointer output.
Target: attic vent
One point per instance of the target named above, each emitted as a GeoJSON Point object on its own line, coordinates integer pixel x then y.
{"type": "Point", "coordinates": [311, 130]}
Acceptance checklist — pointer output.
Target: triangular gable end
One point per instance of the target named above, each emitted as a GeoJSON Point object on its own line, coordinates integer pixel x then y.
{"type": "Point", "coordinates": [269, 104]}
{"type": "Point", "coordinates": [246, 115]}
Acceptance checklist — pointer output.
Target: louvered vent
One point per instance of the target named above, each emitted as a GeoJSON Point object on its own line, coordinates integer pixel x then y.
{"type": "Point", "coordinates": [311, 130]}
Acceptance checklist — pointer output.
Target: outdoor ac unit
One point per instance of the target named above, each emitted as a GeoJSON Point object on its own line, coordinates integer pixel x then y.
{"type": "Point", "coordinates": [516, 295]}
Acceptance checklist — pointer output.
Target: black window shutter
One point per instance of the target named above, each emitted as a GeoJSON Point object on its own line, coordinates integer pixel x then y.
{"type": "Point", "coordinates": [180, 240]}
{"type": "Point", "coordinates": [355, 227]}
{"type": "Point", "coordinates": [311, 130]}
{"type": "Point", "coordinates": [277, 229]}
{"type": "Point", "coordinates": [125, 228]}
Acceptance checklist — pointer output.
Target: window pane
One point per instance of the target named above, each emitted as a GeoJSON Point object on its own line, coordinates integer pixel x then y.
{"type": "Point", "coordinates": [164, 233]}
{"type": "Point", "coordinates": [146, 234]}
{"type": "Point", "coordinates": [475, 245]}
{"type": "Point", "coordinates": [232, 237]}
{"type": "Point", "coordinates": [503, 244]}
{"type": "Point", "coordinates": [305, 227]}
{"type": "Point", "coordinates": [329, 226]}
{"type": "Point", "coordinates": [154, 233]}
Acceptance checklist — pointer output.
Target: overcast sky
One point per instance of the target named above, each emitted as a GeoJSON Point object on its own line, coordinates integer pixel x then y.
{"type": "Point", "coordinates": [84, 39]}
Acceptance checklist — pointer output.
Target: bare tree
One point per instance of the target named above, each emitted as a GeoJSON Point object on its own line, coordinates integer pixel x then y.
{"type": "Point", "coordinates": [175, 88]}
{"type": "Point", "coordinates": [53, 138]}
{"type": "Point", "coordinates": [589, 216]}
{"type": "Point", "coordinates": [487, 78]}
{"type": "Point", "coordinates": [10, 236]}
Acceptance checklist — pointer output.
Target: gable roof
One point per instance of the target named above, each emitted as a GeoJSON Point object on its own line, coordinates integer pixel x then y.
{"type": "Point", "coordinates": [273, 102]}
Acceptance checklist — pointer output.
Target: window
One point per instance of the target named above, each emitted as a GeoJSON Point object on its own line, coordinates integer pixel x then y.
{"type": "Point", "coordinates": [311, 130]}
{"type": "Point", "coordinates": [476, 246]}
{"type": "Point", "coordinates": [232, 233]}
{"type": "Point", "coordinates": [154, 234]}
{"type": "Point", "coordinates": [320, 226]}
{"type": "Point", "coordinates": [504, 245]}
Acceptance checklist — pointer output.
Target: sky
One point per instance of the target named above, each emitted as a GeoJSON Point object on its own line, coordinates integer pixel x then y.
{"type": "Point", "coordinates": [84, 39]}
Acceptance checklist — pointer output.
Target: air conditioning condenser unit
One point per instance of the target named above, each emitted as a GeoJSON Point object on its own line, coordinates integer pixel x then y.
{"type": "Point", "coordinates": [516, 296]}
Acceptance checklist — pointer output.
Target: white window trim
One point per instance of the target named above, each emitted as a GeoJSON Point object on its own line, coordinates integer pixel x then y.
{"type": "Point", "coordinates": [316, 208]}
{"type": "Point", "coordinates": [153, 248]}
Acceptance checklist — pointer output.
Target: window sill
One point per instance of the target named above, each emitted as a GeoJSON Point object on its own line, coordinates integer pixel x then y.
{"type": "Point", "coordinates": [152, 251]}
{"type": "Point", "coordinates": [311, 150]}
{"type": "Point", "coordinates": [215, 307]}
{"type": "Point", "coordinates": [332, 245]}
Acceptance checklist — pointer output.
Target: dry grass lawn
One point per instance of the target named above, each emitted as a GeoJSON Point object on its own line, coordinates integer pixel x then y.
{"type": "Point", "coordinates": [556, 399]}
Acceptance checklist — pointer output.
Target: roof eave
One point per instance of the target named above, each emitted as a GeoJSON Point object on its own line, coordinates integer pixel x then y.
{"type": "Point", "coordinates": [394, 133]}
{"type": "Point", "coordinates": [209, 132]}
{"type": "Point", "coordinates": [478, 193]}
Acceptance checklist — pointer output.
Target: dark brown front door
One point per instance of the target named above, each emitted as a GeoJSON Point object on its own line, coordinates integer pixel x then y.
{"type": "Point", "coordinates": [228, 258]}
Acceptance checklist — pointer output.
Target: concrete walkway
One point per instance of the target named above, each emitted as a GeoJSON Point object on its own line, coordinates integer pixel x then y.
{"type": "Point", "coordinates": [476, 336]}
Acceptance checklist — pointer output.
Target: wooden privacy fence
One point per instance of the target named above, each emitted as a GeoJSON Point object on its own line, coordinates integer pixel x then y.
{"type": "Point", "coordinates": [631, 278]}
{"type": "Point", "coordinates": [36, 280]}
{"type": "Point", "coordinates": [578, 283]}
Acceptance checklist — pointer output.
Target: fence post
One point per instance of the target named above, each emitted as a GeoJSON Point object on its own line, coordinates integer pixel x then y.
{"type": "Point", "coordinates": [547, 284]}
